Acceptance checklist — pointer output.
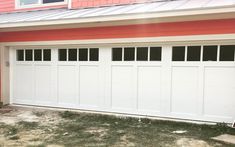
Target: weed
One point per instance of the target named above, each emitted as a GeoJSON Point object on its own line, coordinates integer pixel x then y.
{"type": "Point", "coordinates": [28, 125]}
{"type": "Point", "coordinates": [12, 130]}
{"type": "Point", "coordinates": [14, 137]}
{"type": "Point", "coordinates": [40, 145]}
{"type": "Point", "coordinates": [68, 115]}
{"type": "Point", "coordinates": [38, 114]}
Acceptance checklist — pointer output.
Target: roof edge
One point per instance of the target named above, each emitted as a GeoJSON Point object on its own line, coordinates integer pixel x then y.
{"type": "Point", "coordinates": [195, 14]}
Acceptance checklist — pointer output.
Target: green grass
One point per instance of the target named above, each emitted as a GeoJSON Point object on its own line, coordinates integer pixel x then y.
{"type": "Point", "coordinates": [11, 130]}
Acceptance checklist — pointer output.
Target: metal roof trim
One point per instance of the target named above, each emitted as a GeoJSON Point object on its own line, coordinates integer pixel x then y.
{"type": "Point", "coordinates": [35, 19]}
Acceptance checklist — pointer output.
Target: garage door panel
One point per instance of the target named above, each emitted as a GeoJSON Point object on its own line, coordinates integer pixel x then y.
{"type": "Point", "coordinates": [219, 91]}
{"type": "Point", "coordinates": [122, 87]}
{"type": "Point", "coordinates": [24, 83]}
{"type": "Point", "coordinates": [67, 85]}
{"type": "Point", "coordinates": [184, 96]}
{"type": "Point", "coordinates": [89, 87]}
{"type": "Point", "coordinates": [43, 84]}
{"type": "Point", "coordinates": [149, 89]}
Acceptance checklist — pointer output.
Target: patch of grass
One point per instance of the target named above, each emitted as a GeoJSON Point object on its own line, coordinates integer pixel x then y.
{"type": "Point", "coordinates": [15, 137]}
{"type": "Point", "coordinates": [11, 130]}
{"type": "Point", "coordinates": [40, 145]}
{"type": "Point", "coordinates": [28, 125]}
{"type": "Point", "coordinates": [68, 114]}
{"type": "Point", "coordinates": [38, 114]}
{"type": "Point", "coordinates": [1, 104]}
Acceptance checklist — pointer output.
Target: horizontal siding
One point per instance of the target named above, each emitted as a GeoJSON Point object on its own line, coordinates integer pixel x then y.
{"type": "Point", "coordinates": [128, 31]}
{"type": "Point", "coordinates": [96, 3]}
{"type": "Point", "coordinates": [9, 6]}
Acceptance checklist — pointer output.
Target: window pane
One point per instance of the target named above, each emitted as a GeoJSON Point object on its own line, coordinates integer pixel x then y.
{"type": "Point", "coordinates": [155, 53]}
{"type": "Point", "coordinates": [94, 54]}
{"type": "Point", "coordinates": [129, 54]}
{"type": "Point", "coordinates": [178, 53]}
{"type": "Point", "coordinates": [194, 53]}
{"type": "Point", "coordinates": [117, 54]}
{"type": "Point", "coordinates": [210, 53]}
{"type": "Point", "coordinates": [73, 55]}
{"type": "Point", "coordinates": [51, 1]}
{"type": "Point", "coordinates": [28, 2]}
{"type": "Point", "coordinates": [142, 54]}
{"type": "Point", "coordinates": [28, 55]}
{"type": "Point", "coordinates": [37, 55]}
{"type": "Point", "coordinates": [83, 54]}
{"type": "Point", "coordinates": [46, 55]}
{"type": "Point", "coordinates": [62, 54]}
{"type": "Point", "coordinates": [20, 55]}
{"type": "Point", "coordinates": [227, 52]}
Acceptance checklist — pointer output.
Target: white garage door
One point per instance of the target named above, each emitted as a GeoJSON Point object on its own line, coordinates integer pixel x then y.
{"type": "Point", "coordinates": [188, 82]}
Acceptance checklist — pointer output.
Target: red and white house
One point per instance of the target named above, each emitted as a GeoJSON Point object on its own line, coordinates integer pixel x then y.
{"type": "Point", "coordinates": [161, 58]}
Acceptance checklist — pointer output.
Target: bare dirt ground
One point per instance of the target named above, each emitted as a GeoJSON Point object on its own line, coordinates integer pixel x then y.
{"type": "Point", "coordinates": [46, 128]}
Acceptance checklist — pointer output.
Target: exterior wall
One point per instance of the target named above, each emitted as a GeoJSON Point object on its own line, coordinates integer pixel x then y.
{"type": "Point", "coordinates": [5, 75]}
{"type": "Point", "coordinates": [7, 6]}
{"type": "Point", "coordinates": [97, 3]}
{"type": "Point", "coordinates": [128, 31]}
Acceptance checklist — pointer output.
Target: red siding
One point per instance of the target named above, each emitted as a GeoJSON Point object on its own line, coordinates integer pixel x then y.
{"type": "Point", "coordinates": [129, 31]}
{"type": "Point", "coordinates": [9, 6]}
{"type": "Point", "coordinates": [96, 3]}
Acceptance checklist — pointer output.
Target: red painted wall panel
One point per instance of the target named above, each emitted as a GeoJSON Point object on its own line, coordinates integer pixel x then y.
{"type": "Point", "coordinates": [9, 5]}
{"type": "Point", "coordinates": [96, 3]}
{"type": "Point", "coordinates": [129, 31]}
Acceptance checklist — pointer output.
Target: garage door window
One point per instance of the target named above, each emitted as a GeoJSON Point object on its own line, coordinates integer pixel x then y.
{"type": "Point", "coordinates": [94, 54]}
{"type": "Point", "coordinates": [137, 54]}
{"type": "Point", "coordinates": [62, 55]}
{"type": "Point", "coordinates": [117, 54]}
{"type": "Point", "coordinates": [20, 55]}
{"type": "Point", "coordinates": [33, 55]}
{"type": "Point", "coordinates": [38, 55]}
{"type": "Point", "coordinates": [193, 53]}
{"type": "Point", "coordinates": [129, 54]}
{"type": "Point", "coordinates": [178, 53]}
{"type": "Point", "coordinates": [73, 55]}
{"type": "Point", "coordinates": [29, 55]}
{"type": "Point", "coordinates": [46, 55]}
{"type": "Point", "coordinates": [204, 53]}
{"type": "Point", "coordinates": [227, 52]}
{"type": "Point", "coordinates": [210, 53]}
{"type": "Point", "coordinates": [81, 54]}
{"type": "Point", "coordinates": [142, 53]}
{"type": "Point", "coordinates": [155, 53]}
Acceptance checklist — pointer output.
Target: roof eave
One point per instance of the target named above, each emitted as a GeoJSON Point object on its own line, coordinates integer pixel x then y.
{"type": "Point", "coordinates": [165, 16]}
